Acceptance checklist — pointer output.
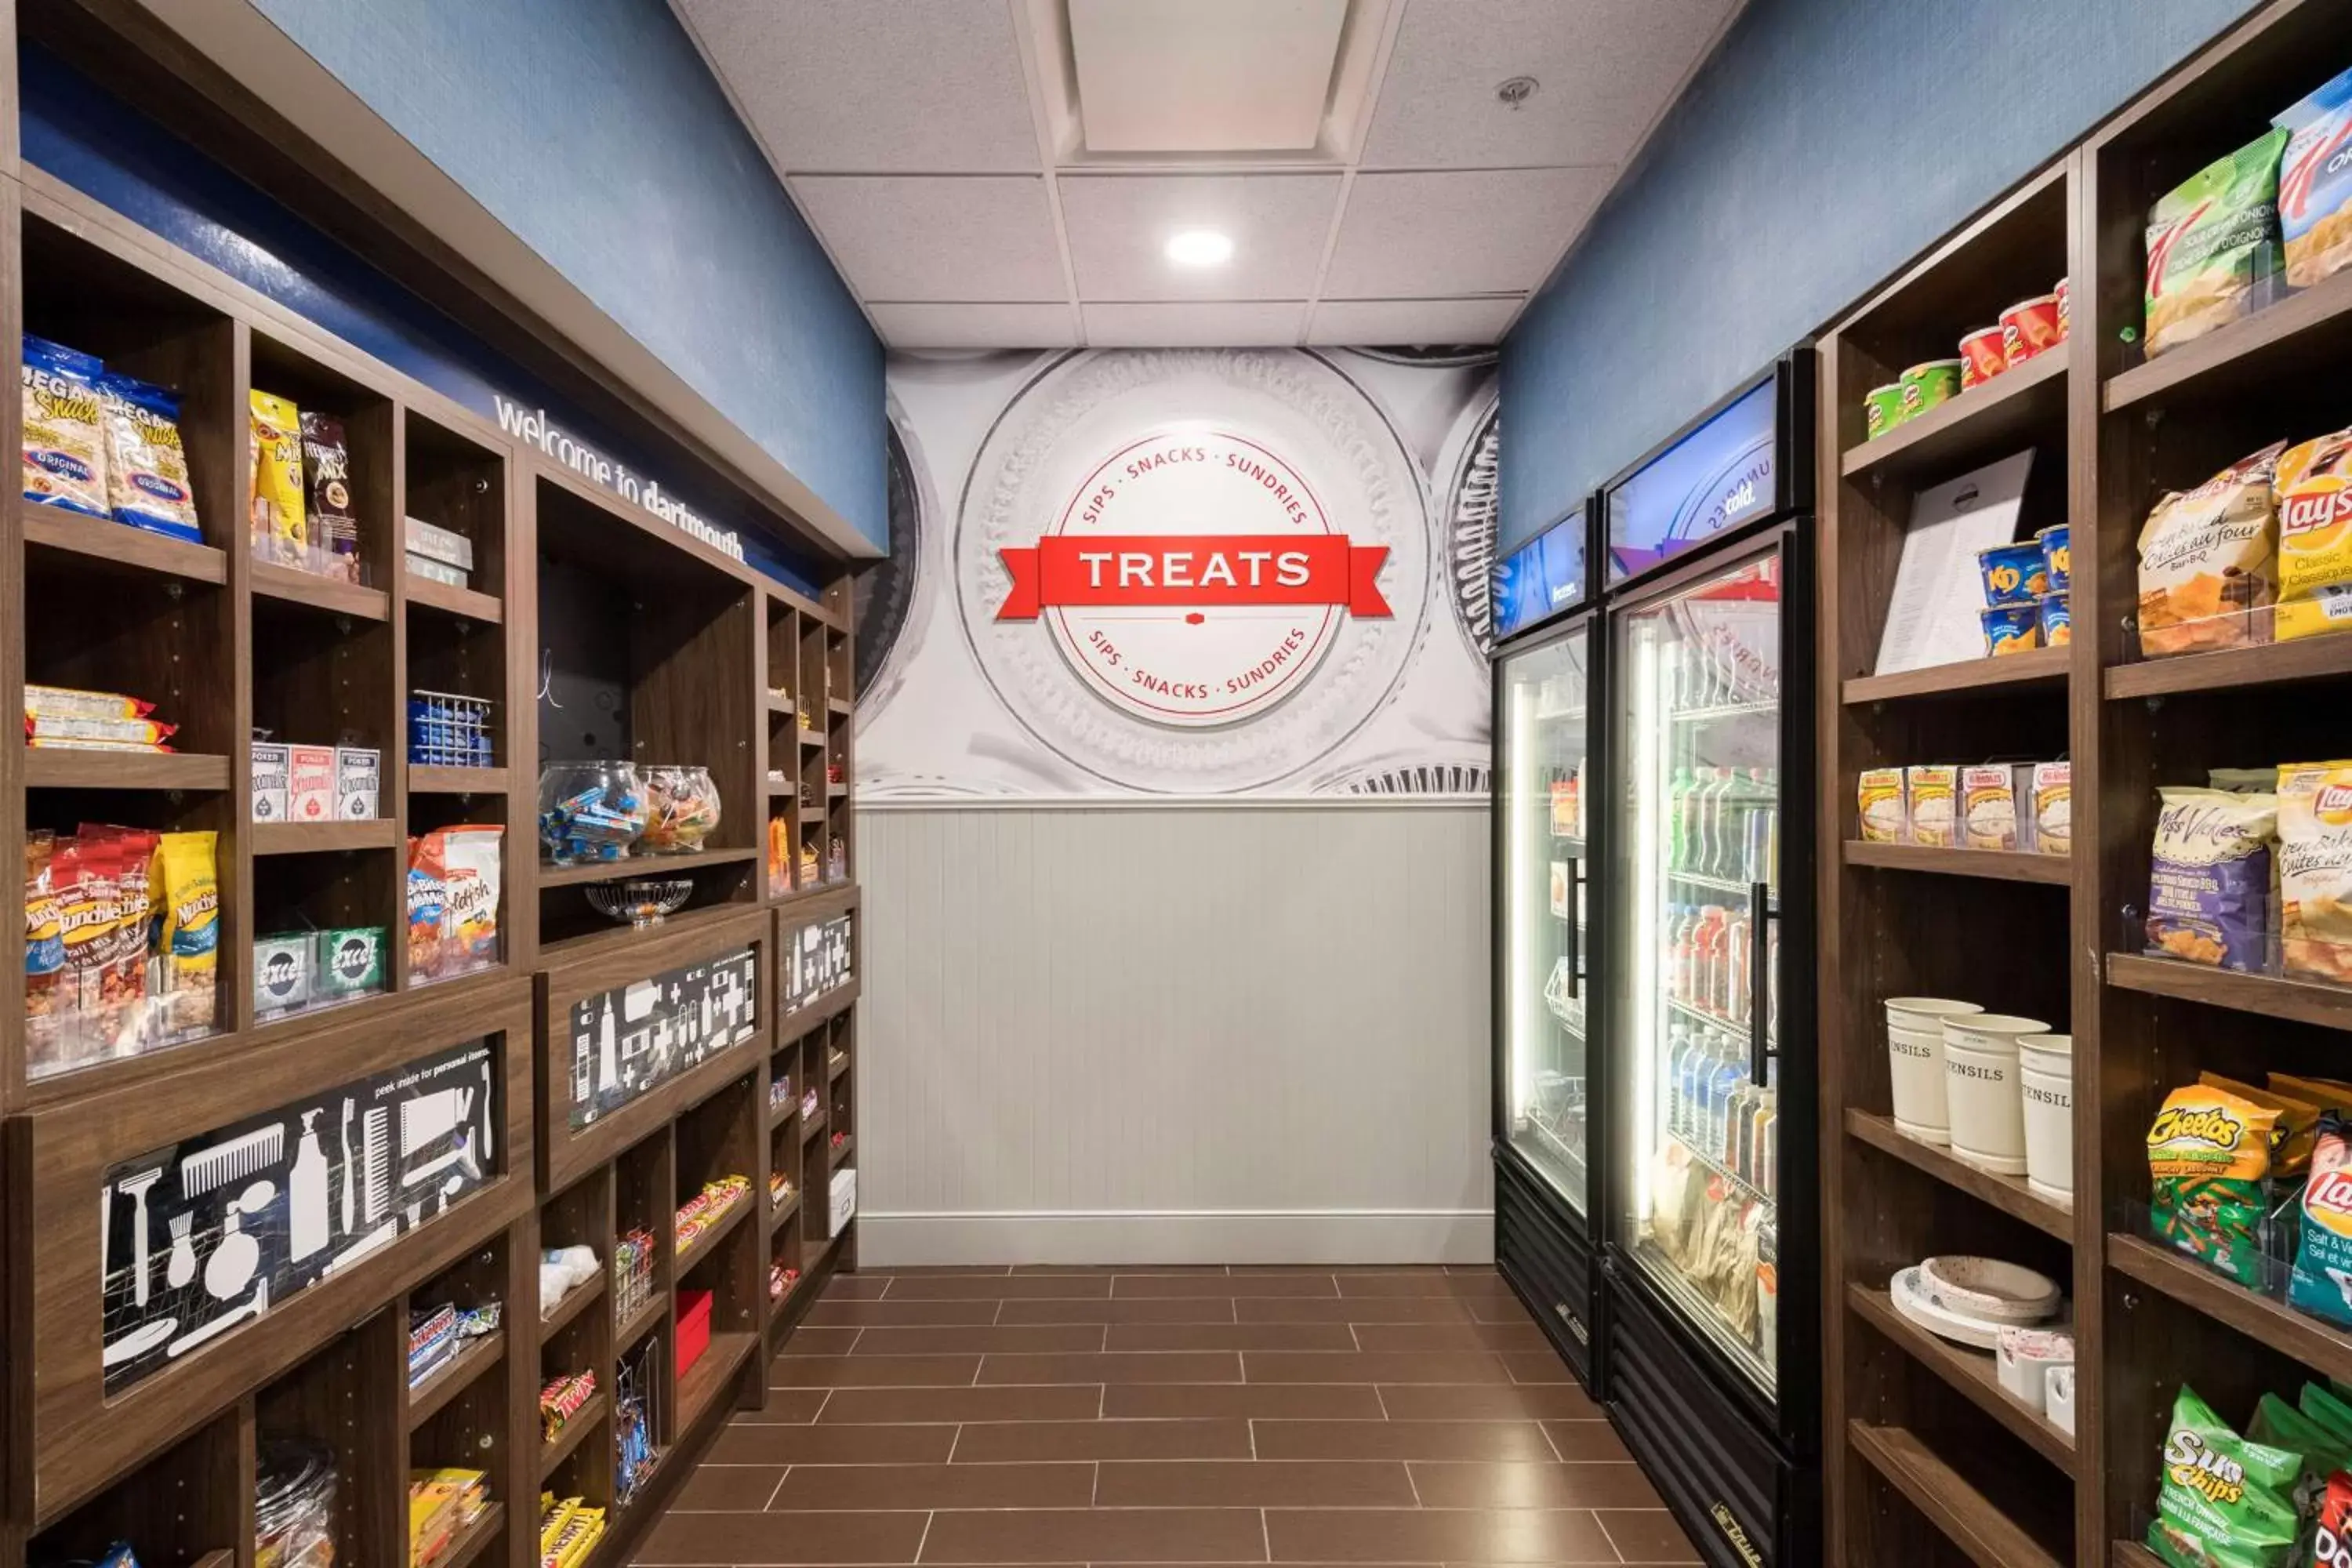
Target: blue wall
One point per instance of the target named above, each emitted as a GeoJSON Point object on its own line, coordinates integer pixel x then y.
{"type": "Point", "coordinates": [1826, 143]}
{"type": "Point", "coordinates": [592, 129]}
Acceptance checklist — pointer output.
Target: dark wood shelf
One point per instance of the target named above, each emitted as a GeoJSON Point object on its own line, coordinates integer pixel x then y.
{"type": "Point", "coordinates": [811, 1125]}
{"type": "Point", "coordinates": [49, 768]}
{"type": "Point", "coordinates": [116, 547]}
{"type": "Point", "coordinates": [312, 592]}
{"type": "Point", "coordinates": [2010, 1194]}
{"type": "Point", "coordinates": [811, 813]}
{"type": "Point", "coordinates": [710, 1373]}
{"type": "Point", "coordinates": [834, 1069]}
{"type": "Point", "coordinates": [574, 1303]}
{"type": "Point", "coordinates": [829, 1005]}
{"type": "Point", "coordinates": [837, 705]}
{"type": "Point", "coordinates": [2265, 663]}
{"type": "Point", "coordinates": [783, 705]}
{"type": "Point", "coordinates": [790, 1109]}
{"type": "Point", "coordinates": [2132, 1554]}
{"type": "Point", "coordinates": [1942, 1496]}
{"type": "Point", "coordinates": [2310, 324]}
{"type": "Point", "coordinates": [813, 738]}
{"type": "Point", "coordinates": [2038, 668]}
{"type": "Point", "coordinates": [1994, 864]}
{"type": "Point", "coordinates": [318, 837]}
{"type": "Point", "coordinates": [585, 1419]}
{"type": "Point", "coordinates": [2319, 1346]}
{"type": "Point", "coordinates": [656, 1308]}
{"type": "Point", "coordinates": [466, 604]}
{"type": "Point", "coordinates": [707, 1242]}
{"type": "Point", "coordinates": [781, 789]}
{"type": "Point", "coordinates": [2305, 1001]}
{"type": "Point", "coordinates": [837, 791]}
{"type": "Point", "coordinates": [779, 1213]}
{"type": "Point", "coordinates": [1986, 421]}
{"type": "Point", "coordinates": [655, 866]}
{"type": "Point", "coordinates": [834, 1153]}
{"type": "Point", "coordinates": [1971, 1373]}
{"type": "Point", "coordinates": [600, 944]}
{"type": "Point", "coordinates": [426, 1398]}
{"type": "Point", "coordinates": [423, 780]}
{"type": "Point", "coordinates": [469, 1544]}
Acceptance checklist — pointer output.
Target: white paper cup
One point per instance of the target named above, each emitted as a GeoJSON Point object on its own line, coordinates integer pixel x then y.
{"type": "Point", "coordinates": [1915, 1067]}
{"type": "Point", "coordinates": [1925, 1015]}
{"type": "Point", "coordinates": [2046, 1073]}
{"type": "Point", "coordinates": [1983, 1092]}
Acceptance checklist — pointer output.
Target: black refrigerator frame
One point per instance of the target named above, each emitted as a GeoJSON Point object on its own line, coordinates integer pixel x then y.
{"type": "Point", "coordinates": [1548, 1253]}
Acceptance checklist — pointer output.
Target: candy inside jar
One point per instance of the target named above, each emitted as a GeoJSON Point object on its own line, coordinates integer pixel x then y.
{"type": "Point", "coordinates": [590, 811]}
{"type": "Point", "coordinates": [683, 809]}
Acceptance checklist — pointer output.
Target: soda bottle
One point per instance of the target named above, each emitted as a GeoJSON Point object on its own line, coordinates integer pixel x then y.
{"type": "Point", "coordinates": [1678, 788]}
{"type": "Point", "coordinates": [1730, 998]}
{"type": "Point", "coordinates": [1730, 1072]}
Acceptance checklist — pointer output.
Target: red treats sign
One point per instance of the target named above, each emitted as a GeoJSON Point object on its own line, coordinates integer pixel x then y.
{"type": "Point", "coordinates": [1193, 579]}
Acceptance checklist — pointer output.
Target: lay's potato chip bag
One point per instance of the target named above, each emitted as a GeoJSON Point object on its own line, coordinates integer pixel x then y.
{"type": "Point", "coordinates": [2315, 863]}
{"type": "Point", "coordinates": [2321, 1284]}
{"type": "Point", "coordinates": [2315, 548]}
{"type": "Point", "coordinates": [2209, 1162]}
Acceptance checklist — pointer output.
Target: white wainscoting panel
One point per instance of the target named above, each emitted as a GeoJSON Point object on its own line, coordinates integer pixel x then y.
{"type": "Point", "coordinates": [1203, 1033]}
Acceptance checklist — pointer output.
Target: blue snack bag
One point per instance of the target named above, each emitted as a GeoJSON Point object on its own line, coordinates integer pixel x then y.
{"type": "Point", "coordinates": [65, 455]}
{"type": "Point", "coordinates": [146, 467]}
{"type": "Point", "coordinates": [2321, 1284]}
{"type": "Point", "coordinates": [2316, 184]}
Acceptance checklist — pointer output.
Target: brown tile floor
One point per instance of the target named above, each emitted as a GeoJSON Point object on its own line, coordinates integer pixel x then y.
{"type": "Point", "coordinates": [1068, 1416]}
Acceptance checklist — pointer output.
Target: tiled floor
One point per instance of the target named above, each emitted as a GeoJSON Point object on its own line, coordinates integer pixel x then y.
{"type": "Point", "coordinates": [1065, 1416]}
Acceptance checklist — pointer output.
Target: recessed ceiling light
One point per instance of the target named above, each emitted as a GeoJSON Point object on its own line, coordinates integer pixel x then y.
{"type": "Point", "coordinates": [1200, 247]}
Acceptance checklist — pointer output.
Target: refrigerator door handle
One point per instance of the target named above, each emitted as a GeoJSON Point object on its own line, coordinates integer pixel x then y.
{"type": "Point", "coordinates": [1575, 929]}
{"type": "Point", "coordinates": [1759, 982]}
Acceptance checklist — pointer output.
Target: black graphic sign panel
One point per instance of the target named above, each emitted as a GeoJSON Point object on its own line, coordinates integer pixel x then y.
{"type": "Point", "coordinates": [627, 1040]}
{"type": "Point", "coordinates": [815, 959]}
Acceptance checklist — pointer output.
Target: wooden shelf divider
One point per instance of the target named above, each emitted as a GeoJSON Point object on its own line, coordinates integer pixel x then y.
{"type": "Point", "coordinates": [2008, 1194]}
{"type": "Point", "coordinates": [1994, 864]}
{"type": "Point", "coordinates": [1970, 1372]}
{"type": "Point", "coordinates": [1969, 1520]}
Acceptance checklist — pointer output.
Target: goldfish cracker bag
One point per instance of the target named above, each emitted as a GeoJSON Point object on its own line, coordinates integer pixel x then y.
{"type": "Point", "coordinates": [2314, 861]}
{"type": "Point", "coordinates": [2315, 545]}
{"type": "Point", "coordinates": [2209, 1165]}
{"type": "Point", "coordinates": [280, 532]}
{"type": "Point", "coordinates": [2223, 1501]}
{"type": "Point", "coordinates": [2208, 561]}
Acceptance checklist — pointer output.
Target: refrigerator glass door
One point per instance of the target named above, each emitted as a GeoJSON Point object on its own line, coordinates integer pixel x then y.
{"type": "Point", "coordinates": [1696, 843]}
{"type": "Point", "coordinates": [1546, 692]}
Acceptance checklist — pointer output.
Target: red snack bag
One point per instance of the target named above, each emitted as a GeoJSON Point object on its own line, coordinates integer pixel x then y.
{"type": "Point", "coordinates": [2333, 1546]}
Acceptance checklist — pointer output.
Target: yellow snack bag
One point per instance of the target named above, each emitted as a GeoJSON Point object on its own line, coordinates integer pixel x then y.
{"type": "Point", "coordinates": [2209, 1165]}
{"type": "Point", "coordinates": [2314, 557]}
{"type": "Point", "coordinates": [2315, 869]}
{"type": "Point", "coordinates": [1934, 789]}
{"type": "Point", "coordinates": [187, 877]}
{"type": "Point", "coordinates": [281, 533]}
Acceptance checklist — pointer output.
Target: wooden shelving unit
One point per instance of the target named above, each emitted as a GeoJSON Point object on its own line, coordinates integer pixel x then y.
{"type": "Point", "coordinates": [673, 641]}
{"type": "Point", "coordinates": [1927, 1458]}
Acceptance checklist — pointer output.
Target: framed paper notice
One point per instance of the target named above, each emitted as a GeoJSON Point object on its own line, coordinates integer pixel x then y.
{"type": "Point", "coordinates": [1933, 618]}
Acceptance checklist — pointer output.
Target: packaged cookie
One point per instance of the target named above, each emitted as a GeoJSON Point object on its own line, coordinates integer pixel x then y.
{"type": "Point", "coordinates": [1885, 815]}
{"type": "Point", "coordinates": [2314, 869]}
{"type": "Point", "coordinates": [147, 483]}
{"type": "Point", "coordinates": [2315, 547]}
{"type": "Point", "coordinates": [280, 532]}
{"type": "Point", "coordinates": [65, 455]}
{"type": "Point", "coordinates": [2208, 1161]}
{"type": "Point", "coordinates": [328, 515]}
{"type": "Point", "coordinates": [1933, 791]}
{"type": "Point", "coordinates": [2209, 899]}
{"type": "Point", "coordinates": [2208, 561]}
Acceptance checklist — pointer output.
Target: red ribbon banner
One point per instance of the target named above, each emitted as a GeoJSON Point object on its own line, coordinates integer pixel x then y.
{"type": "Point", "coordinates": [1191, 571]}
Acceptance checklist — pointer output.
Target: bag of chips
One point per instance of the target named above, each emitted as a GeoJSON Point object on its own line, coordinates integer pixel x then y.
{"type": "Point", "coordinates": [281, 533]}
{"type": "Point", "coordinates": [2324, 1406]}
{"type": "Point", "coordinates": [2222, 1501]}
{"type": "Point", "coordinates": [187, 872]}
{"type": "Point", "coordinates": [2315, 863]}
{"type": "Point", "coordinates": [2321, 1283]}
{"type": "Point", "coordinates": [328, 517]}
{"type": "Point", "coordinates": [2315, 545]}
{"type": "Point", "coordinates": [2208, 561]}
{"type": "Point", "coordinates": [2212, 241]}
{"type": "Point", "coordinates": [2208, 897]}
{"type": "Point", "coordinates": [2209, 1163]}
{"type": "Point", "coordinates": [65, 455]}
{"type": "Point", "coordinates": [44, 955]}
{"type": "Point", "coordinates": [2296, 1132]}
{"type": "Point", "coordinates": [2331, 1547]}
{"type": "Point", "coordinates": [428, 906]}
{"type": "Point", "coordinates": [472, 868]}
{"type": "Point", "coordinates": [146, 467]}
{"type": "Point", "coordinates": [2316, 184]}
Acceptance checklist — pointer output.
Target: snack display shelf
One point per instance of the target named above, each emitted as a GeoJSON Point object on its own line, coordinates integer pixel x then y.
{"type": "Point", "coordinates": [312, 838]}
{"type": "Point", "coordinates": [467, 603]}
{"type": "Point", "coordinates": [2321, 1346]}
{"type": "Point", "coordinates": [1971, 1373]}
{"type": "Point", "coordinates": [2310, 328]}
{"type": "Point", "coordinates": [2037, 668]}
{"type": "Point", "coordinates": [575, 1300]}
{"type": "Point", "coordinates": [50, 769]}
{"type": "Point", "coordinates": [781, 706]}
{"type": "Point", "coordinates": [1986, 420]}
{"type": "Point", "coordinates": [837, 1152]}
{"type": "Point", "coordinates": [834, 1069]}
{"type": "Point", "coordinates": [1973, 1522]}
{"type": "Point", "coordinates": [2010, 1194]}
{"type": "Point", "coordinates": [469, 1542]}
{"type": "Point", "coordinates": [2273, 996]}
{"type": "Point", "coordinates": [426, 780]}
{"type": "Point", "coordinates": [813, 738]}
{"type": "Point", "coordinates": [616, 940]}
{"type": "Point", "coordinates": [712, 1372]}
{"type": "Point", "coordinates": [2132, 1554]}
{"type": "Point", "coordinates": [626, 1338]}
{"type": "Point", "coordinates": [426, 1400]}
{"type": "Point", "coordinates": [1995, 864]}
{"type": "Point", "coordinates": [554, 1451]}
{"type": "Point", "coordinates": [704, 1245]}
{"type": "Point", "coordinates": [838, 707]}
{"type": "Point", "coordinates": [779, 1213]}
{"type": "Point", "coordinates": [811, 1126]}
{"type": "Point", "coordinates": [288, 585]}
{"type": "Point", "coordinates": [112, 547]}
{"type": "Point", "coordinates": [2265, 663]}
{"type": "Point", "coordinates": [637, 865]}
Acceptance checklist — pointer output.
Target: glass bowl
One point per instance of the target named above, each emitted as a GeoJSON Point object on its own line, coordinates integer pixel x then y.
{"type": "Point", "coordinates": [642, 900]}
{"type": "Point", "coordinates": [590, 811]}
{"type": "Point", "coordinates": [682, 809]}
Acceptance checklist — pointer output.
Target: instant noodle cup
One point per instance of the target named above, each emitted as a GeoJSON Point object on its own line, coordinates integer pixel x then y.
{"type": "Point", "coordinates": [1881, 409]}
{"type": "Point", "coordinates": [2012, 629]}
{"type": "Point", "coordinates": [2013, 574]}
{"type": "Point", "coordinates": [2057, 556]}
{"type": "Point", "coordinates": [1926, 385]}
{"type": "Point", "coordinates": [2064, 318]}
{"type": "Point", "coordinates": [2029, 327]}
{"type": "Point", "coordinates": [1983, 356]}
{"type": "Point", "coordinates": [2057, 628]}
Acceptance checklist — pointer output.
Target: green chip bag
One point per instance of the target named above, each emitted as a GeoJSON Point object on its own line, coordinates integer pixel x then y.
{"type": "Point", "coordinates": [2223, 1501]}
{"type": "Point", "coordinates": [2326, 1406]}
{"type": "Point", "coordinates": [2211, 241]}
{"type": "Point", "coordinates": [2279, 1424]}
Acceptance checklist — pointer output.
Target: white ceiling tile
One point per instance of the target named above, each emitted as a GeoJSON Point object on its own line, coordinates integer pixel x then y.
{"type": "Point", "coordinates": [1604, 70]}
{"type": "Point", "coordinates": [1118, 225]}
{"type": "Point", "coordinates": [1351, 322]}
{"type": "Point", "coordinates": [914, 238]}
{"type": "Point", "coordinates": [1427, 235]}
{"type": "Point", "coordinates": [925, 325]}
{"type": "Point", "coordinates": [838, 86]}
{"type": "Point", "coordinates": [1204, 75]}
{"type": "Point", "coordinates": [1224, 324]}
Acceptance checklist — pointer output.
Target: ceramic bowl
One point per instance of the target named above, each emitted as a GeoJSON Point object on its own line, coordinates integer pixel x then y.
{"type": "Point", "coordinates": [1987, 1291]}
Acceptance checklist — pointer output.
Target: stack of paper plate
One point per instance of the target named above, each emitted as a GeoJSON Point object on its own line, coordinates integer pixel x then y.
{"type": "Point", "coordinates": [1969, 1301]}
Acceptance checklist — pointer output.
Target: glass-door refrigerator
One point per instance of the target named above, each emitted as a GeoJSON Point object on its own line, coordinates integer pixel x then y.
{"type": "Point", "coordinates": [1706, 1048]}
{"type": "Point", "coordinates": [1547, 1148]}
